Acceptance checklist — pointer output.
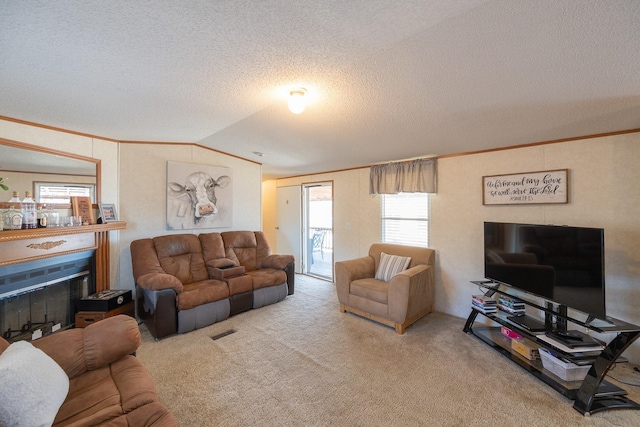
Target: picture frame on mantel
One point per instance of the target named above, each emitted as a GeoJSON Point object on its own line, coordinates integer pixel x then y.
{"type": "Point", "coordinates": [107, 212]}
{"type": "Point", "coordinates": [539, 187]}
{"type": "Point", "coordinates": [82, 206]}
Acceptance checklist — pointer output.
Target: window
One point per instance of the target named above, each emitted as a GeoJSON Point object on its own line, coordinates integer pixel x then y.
{"type": "Point", "coordinates": [405, 219]}
{"type": "Point", "coordinates": [60, 193]}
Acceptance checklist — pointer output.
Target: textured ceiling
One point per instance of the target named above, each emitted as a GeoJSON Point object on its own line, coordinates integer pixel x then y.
{"type": "Point", "coordinates": [387, 80]}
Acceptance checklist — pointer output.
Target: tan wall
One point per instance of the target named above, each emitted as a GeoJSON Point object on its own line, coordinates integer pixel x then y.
{"type": "Point", "coordinates": [602, 177]}
{"type": "Point", "coordinates": [356, 218]}
{"type": "Point", "coordinates": [603, 190]}
{"type": "Point", "coordinates": [144, 187]}
{"type": "Point", "coordinates": [133, 177]}
{"type": "Point", "coordinates": [269, 212]}
{"type": "Point", "coordinates": [96, 148]}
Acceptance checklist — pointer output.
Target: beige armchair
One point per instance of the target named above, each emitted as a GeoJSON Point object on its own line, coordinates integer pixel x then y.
{"type": "Point", "coordinates": [398, 303]}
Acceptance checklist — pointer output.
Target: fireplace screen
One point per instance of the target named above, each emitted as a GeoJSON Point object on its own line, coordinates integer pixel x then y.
{"type": "Point", "coordinates": [31, 310]}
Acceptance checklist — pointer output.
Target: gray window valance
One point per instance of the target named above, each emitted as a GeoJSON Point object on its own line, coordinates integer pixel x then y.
{"type": "Point", "coordinates": [413, 176]}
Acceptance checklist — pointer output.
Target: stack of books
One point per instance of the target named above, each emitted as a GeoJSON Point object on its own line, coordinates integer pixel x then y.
{"type": "Point", "coordinates": [483, 304]}
{"type": "Point", "coordinates": [510, 305]}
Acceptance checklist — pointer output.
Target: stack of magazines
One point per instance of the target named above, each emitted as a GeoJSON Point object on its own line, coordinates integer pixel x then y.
{"type": "Point", "coordinates": [483, 304]}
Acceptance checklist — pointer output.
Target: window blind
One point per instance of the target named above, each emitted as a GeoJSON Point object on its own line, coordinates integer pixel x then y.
{"type": "Point", "coordinates": [405, 219]}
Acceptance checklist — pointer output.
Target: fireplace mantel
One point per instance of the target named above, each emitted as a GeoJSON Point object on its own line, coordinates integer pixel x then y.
{"type": "Point", "coordinates": [18, 246]}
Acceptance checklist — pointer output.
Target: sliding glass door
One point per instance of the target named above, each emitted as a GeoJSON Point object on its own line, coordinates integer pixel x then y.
{"type": "Point", "coordinates": [318, 229]}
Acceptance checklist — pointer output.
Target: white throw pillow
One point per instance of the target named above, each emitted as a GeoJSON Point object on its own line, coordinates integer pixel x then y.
{"type": "Point", "coordinates": [33, 386]}
{"type": "Point", "coordinates": [390, 265]}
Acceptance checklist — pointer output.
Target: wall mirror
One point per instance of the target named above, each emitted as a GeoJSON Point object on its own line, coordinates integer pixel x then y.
{"type": "Point", "coordinates": [26, 167]}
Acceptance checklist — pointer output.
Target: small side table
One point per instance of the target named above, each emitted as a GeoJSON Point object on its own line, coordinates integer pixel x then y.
{"type": "Point", "coordinates": [85, 318]}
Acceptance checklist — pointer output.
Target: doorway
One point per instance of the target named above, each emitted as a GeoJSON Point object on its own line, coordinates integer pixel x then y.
{"type": "Point", "coordinates": [318, 229]}
{"type": "Point", "coordinates": [289, 228]}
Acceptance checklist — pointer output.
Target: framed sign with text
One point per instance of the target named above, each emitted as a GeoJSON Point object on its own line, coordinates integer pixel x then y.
{"type": "Point", "coordinates": [81, 206]}
{"type": "Point", "coordinates": [526, 188]}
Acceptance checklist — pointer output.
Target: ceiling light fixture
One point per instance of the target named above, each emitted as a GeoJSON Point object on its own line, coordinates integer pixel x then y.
{"type": "Point", "coordinates": [296, 100]}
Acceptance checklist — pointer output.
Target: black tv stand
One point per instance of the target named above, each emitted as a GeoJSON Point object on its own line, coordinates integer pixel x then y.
{"type": "Point", "coordinates": [591, 395]}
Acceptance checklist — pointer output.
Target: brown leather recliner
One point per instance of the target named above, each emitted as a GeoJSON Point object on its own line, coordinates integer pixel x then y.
{"type": "Point", "coordinates": [173, 289]}
{"type": "Point", "coordinates": [107, 385]}
{"type": "Point", "coordinates": [185, 282]}
{"type": "Point", "coordinates": [273, 275]}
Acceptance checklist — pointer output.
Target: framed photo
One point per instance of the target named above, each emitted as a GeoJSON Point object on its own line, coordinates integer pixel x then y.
{"type": "Point", "coordinates": [108, 212]}
{"type": "Point", "coordinates": [541, 187]}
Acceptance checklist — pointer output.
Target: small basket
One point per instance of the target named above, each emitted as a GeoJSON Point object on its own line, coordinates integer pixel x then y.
{"type": "Point", "coordinates": [565, 370]}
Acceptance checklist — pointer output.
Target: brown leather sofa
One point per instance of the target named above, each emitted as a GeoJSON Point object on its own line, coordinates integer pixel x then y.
{"type": "Point", "coordinates": [107, 384]}
{"type": "Point", "coordinates": [186, 281]}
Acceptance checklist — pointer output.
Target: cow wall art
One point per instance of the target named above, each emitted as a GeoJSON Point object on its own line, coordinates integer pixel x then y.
{"type": "Point", "coordinates": [198, 196]}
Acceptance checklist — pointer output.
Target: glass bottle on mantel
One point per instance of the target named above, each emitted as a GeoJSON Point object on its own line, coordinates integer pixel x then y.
{"type": "Point", "coordinates": [29, 214]}
{"type": "Point", "coordinates": [15, 198]}
{"type": "Point", "coordinates": [42, 217]}
{"type": "Point", "coordinates": [13, 217]}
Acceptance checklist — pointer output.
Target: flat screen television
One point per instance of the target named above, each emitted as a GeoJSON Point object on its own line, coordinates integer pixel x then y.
{"type": "Point", "coordinates": [561, 264]}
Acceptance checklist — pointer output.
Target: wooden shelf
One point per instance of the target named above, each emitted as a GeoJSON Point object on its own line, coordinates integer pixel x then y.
{"type": "Point", "coordinates": [36, 233]}
{"type": "Point", "coordinates": [17, 246]}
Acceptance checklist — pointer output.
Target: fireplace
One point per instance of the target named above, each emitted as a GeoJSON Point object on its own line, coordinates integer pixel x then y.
{"type": "Point", "coordinates": [44, 272]}
{"type": "Point", "coordinates": [40, 297]}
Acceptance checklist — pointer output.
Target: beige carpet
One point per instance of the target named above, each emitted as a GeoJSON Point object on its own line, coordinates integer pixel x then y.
{"type": "Point", "coordinates": [303, 363]}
